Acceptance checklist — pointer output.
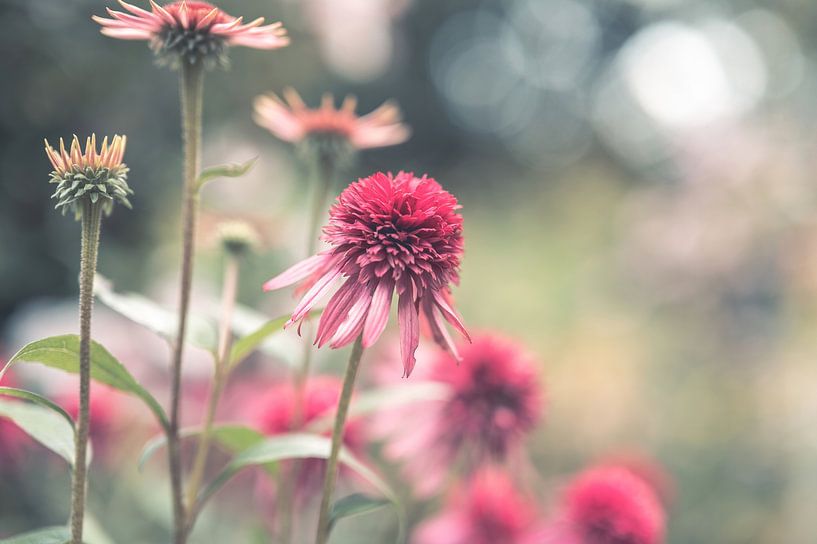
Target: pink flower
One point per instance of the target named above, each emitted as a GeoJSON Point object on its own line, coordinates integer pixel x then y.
{"type": "Point", "coordinates": [494, 401]}
{"type": "Point", "coordinates": [388, 233]}
{"type": "Point", "coordinates": [12, 439]}
{"type": "Point", "coordinates": [294, 122]}
{"type": "Point", "coordinates": [273, 412]}
{"type": "Point", "coordinates": [489, 511]}
{"type": "Point", "coordinates": [106, 411]}
{"type": "Point", "coordinates": [612, 505]}
{"type": "Point", "coordinates": [190, 31]}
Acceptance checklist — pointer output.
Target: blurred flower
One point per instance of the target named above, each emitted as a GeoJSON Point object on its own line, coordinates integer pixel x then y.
{"type": "Point", "coordinates": [489, 511]}
{"type": "Point", "coordinates": [190, 31]}
{"type": "Point", "coordinates": [331, 132]}
{"type": "Point", "coordinates": [12, 438]}
{"type": "Point", "coordinates": [97, 175]}
{"type": "Point", "coordinates": [611, 505]}
{"type": "Point", "coordinates": [494, 401]}
{"type": "Point", "coordinates": [389, 232]}
{"type": "Point", "coordinates": [238, 237]}
{"type": "Point", "coordinates": [274, 412]}
{"type": "Point", "coordinates": [106, 413]}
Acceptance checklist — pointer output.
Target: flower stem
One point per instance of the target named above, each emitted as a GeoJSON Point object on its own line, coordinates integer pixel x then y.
{"type": "Point", "coordinates": [192, 86]}
{"type": "Point", "coordinates": [91, 222]}
{"type": "Point", "coordinates": [222, 371]}
{"type": "Point", "coordinates": [337, 440]}
{"type": "Point", "coordinates": [287, 484]}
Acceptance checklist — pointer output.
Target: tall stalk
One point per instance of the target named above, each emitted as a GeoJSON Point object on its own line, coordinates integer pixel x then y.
{"type": "Point", "coordinates": [220, 375]}
{"type": "Point", "coordinates": [91, 222]}
{"type": "Point", "coordinates": [288, 478]}
{"type": "Point", "coordinates": [337, 440]}
{"type": "Point", "coordinates": [192, 87]}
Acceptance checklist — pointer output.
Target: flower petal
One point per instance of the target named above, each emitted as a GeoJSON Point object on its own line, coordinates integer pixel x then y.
{"type": "Point", "coordinates": [409, 322]}
{"type": "Point", "coordinates": [298, 271]}
{"type": "Point", "coordinates": [378, 315]}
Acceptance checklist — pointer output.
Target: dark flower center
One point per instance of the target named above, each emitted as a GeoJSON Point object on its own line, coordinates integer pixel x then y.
{"type": "Point", "coordinates": [174, 45]}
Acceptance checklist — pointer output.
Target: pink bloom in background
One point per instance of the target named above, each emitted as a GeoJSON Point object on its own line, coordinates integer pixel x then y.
{"type": "Point", "coordinates": [190, 30]}
{"type": "Point", "coordinates": [612, 505]}
{"type": "Point", "coordinates": [388, 233]}
{"type": "Point", "coordinates": [12, 439]}
{"type": "Point", "coordinates": [107, 413]}
{"type": "Point", "coordinates": [273, 412]}
{"type": "Point", "coordinates": [494, 401]}
{"type": "Point", "coordinates": [490, 510]}
{"type": "Point", "coordinates": [292, 121]}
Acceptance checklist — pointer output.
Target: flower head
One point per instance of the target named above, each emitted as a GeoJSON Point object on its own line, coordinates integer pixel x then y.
{"type": "Point", "coordinates": [93, 176]}
{"type": "Point", "coordinates": [489, 511]}
{"type": "Point", "coordinates": [189, 31]}
{"type": "Point", "coordinates": [389, 233]}
{"type": "Point", "coordinates": [326, 131]}
{"type": "Point", "coordinates": [612, 505]}
{"type": "Point", "coordinates": [238, 237]}
{"type": "Point", "coordinates": [493, 400]}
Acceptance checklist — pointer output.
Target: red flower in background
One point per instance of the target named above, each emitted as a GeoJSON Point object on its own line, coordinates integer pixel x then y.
{"type": "Point", "coordinates": [190, 31]}
{"type": "Point", "coordinates": [389, 233]}
{"type": "Point", "coordinates": [612, 505]}
{"type": "Point", "coordinates": [494, 401]}
{"type": "Point", "coordinates": [490, 510]}
{"type": "Point", "coordinates": [12, 439]}
{"type": "Point", "coordinates": [274, 412]}
{"type": "Point", "coordinates": [106, 413]}
{"type": "Point", "coordinates": [292, 121]}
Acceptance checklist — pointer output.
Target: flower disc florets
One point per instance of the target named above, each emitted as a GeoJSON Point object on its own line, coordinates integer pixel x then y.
{"type": "Point", "coordinates": [93, 176]}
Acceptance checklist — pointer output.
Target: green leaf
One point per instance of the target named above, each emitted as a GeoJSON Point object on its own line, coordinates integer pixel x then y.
{"type": "Point", "coordinates": [143, 311]}
{"type": "Point", "coordinates": [232, 170]}
{"type": "Point", "coordinates": [234, 438]}
{"type": "Point", "coordinates": [37, 399]}
{"type": "Point", "coordinates": [246, 345]}
{"type": "Point", "coordinates": [384, 398]}
{"type": "Point", "coordinates": [356, 504]}
{"type": "Point", "coordinates": [62, 352]}
{"type": "Point", "coordinates": [44, 425]}
{"type": "Point", "coordinates": [49, 535]}
{"type": "Point", "coordinates": [296, 446]}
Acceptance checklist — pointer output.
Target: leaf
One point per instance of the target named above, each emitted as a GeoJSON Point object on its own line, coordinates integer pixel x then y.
{"type": "Point", "coordinates": [246, 345]}
{"type": "Point", "coordinates": [49, 535]}
{"type": "Point", "coordinates": [296, 446]}
{"type": "Point", "coordinates": [62, 352]}
{"type": "Point", "coordinates": [234, 438]}
{"type": "Point", "coordinates": [248, 322]}
{"type": "Point", "coordinates": [356, 504]}
{"type": "Point", "coordinates": [44, 425]}
{"type": "Point", "coordinates": [232, 170]}
{"type": "Point", "coordinates": [143, 311]}
{"type": "Point", "coordinates": [384, 398]}
{"type": "Point", "coordinates": [37, 399]}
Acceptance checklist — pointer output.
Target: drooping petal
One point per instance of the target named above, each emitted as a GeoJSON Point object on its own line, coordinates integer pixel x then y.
{"type": "Point", "coordinates": [353, 325]}
{"type": "Point", "coordinates": [409, 322]}
{"type": "Point", "coordinates": [378, 315]}
{"type": "Point", "coordinates": [299, 271]}
{"type": "Point", "coordinates": [450, 314]}
{"type": "Point", "coordinates": [320, 288]}
{"type": "Point", "coordinates": [438, 330]}
{"type": "Point", "coordinates": [336, 311]}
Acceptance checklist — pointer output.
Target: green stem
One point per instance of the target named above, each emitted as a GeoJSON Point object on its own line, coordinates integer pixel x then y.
{"type": "Point", "coordinates": [91, 223]}
{"type": "Point", "coordinates": [192, 86]}
{"type": "Point", "coordinates": [337, 440]}
{"type": "Point", "coordinates": [222, 371]}
{"type": "Point", "coordinates": [287, 482]}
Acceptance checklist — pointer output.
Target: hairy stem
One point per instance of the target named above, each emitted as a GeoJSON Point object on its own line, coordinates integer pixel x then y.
{"type": "Point", "coordinates": [337, 440]}
{"type": "Point", "coordinates": [91, 222]}
{"type": "Point", "coordinates": [192, 86]}
{"type": "Point", "coordinates": [222, 371]}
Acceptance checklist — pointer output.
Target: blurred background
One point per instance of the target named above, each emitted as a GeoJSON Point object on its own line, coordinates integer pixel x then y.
{"type": "Point", "coordinates": [637, 185]}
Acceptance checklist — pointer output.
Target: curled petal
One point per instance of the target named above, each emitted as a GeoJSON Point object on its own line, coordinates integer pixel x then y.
{"type": "Point", "coordinates": [409, 332]}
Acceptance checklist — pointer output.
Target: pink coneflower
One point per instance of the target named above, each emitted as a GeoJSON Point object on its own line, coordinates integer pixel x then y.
{"type": "Point", "coordinates": [612, 505]}
{"type": "Point", "coordinates": [274, 412]}
{"type": "Point", "coordinates": [12, 439]}
{"type": "Point", "coordinates": [190, 31]}
{"type": "Point", "coordinates": [495, 399]}
{"type": "Point", "coordinates": [388, 233]}
{"type": "Point", "coordinates": [292, 121]}
{"type": "Point", "coordinates": [490, 510]}
{"type": "Point", "coordinates": [105, 411]}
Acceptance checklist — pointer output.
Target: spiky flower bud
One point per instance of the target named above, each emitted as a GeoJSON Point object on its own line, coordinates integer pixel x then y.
{"type": "Point", "coordinates": [93, 176]}
{"type": "Point", "coordinates": [238, 238]}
